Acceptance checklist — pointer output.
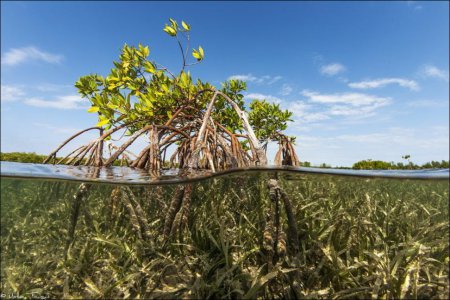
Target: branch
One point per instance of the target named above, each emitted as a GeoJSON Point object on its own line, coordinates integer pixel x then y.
{"type": "Point", "coordinates": [251, 134]}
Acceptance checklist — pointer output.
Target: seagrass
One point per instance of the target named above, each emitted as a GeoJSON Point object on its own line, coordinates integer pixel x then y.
{"type": "Point", "coordinates": [358, 238]}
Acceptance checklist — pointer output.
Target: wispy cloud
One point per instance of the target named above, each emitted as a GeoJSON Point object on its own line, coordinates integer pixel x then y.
{"type": "Point", "coordinates": [248, 77]}
{"type": "Point", "coordinates": [434, 72]}
{"type": "Point", "coordinates": [353, 99]}
{"type": "Point", "coordinates": [319, 107]}
{"type": "Point", "coordinates": [269, 98]}
{"type": "Point", "coordinates": [17, 56]}
{"type": "Point", "coordinates": [332, 69]}
{"type": "Point", "coordinates": [381, 82]}
{"type": "Point", "coordinates": [62, 102]}
{"type": "Point", "coordinates": [274, 79]}
{"type": "Point", "coordinates": [11, 93]}
{"type": "Point", "coordinates": [286, 90]}
{"type": "Point", "coordinates": [259, 80]}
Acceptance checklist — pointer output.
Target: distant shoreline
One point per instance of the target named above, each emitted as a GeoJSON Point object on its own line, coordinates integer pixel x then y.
{"type": "Point", "coordinates": [32, 157]}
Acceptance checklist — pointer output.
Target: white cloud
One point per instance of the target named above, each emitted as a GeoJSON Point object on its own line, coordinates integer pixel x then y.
{"type": "Point", "coordinates": [62, 102]}
{"type": "Point", "coordinates": [360, 112]}
{"type": "Point", "coordinates": [314, 117]}
{"type": "Point", "coordinates": [286, 90]}
{"type": "Point", "coordinates": [274, 79]}
{"type": "Point", "coordinates": [11, 93]}
{"type": "Point", "coordinates": [16, 56]}
{"type": "Point", "coordinates": [377, 83]}
{"type": "Point", "coordinates": [262, 97]}
{"type": "Point", "coordinates": [353, 99]}
{"type": "Point", "coordinates": [320, 107]}
{"type": "Point", "coordinates": [299, 107]}
{"type": "Point", "coordinates": [434, 72]}
{"type": "Point", "coordinates": [259, 80]}
{"type": "Point", "coordinates": [332, 69]}
{"type": "Point", "coordinates": [303, 113]}
{"type": "Point", "coordinates": [248, 77]}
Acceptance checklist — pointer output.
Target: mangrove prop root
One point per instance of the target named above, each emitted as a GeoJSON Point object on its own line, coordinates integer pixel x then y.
{"type": "Point", "coordinates": [294, 244]}
{"type": "Point", "coordinates": [279, 244]}
{"type": "Point", "coordinates": [114, 200]}
{"type": "Point", "coordinates": [53, 154]}
{"type": "Point", "coordinates": [78, 198]}
{"type": "Point", "coordinates": [145, 229]}
{"type": "Point", "coordinates": [186, 204]}
{"type": "Point", "coordinates": [174, 207]}
{"type": "Point", "coordinates": [268, 242]}
{"type": "Point", "coordinates": [182, 216]}
{"type": "Point", "coordinates": [132, 213]}
{"type": "Point", "coordinates": [201, 142]}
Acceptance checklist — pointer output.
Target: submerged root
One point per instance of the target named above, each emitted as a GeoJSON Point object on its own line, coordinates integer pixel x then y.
{"type": "Point", "coordinates": [139, 212]}
{"type": "Point", "coordinates": [268, 242]}
{"type": "Point", "coordinates": [182, 216]}
{"type": "Point", "coordinates": [177, 216]}
{"type": "Point", "coordinates": [274, 244]}
{"type": "Point", "coordinates": [174, 207]}
{"type": "Point", "coordinates": [276, 192]}
{"type": "Point", "coordinates": [78, 199]}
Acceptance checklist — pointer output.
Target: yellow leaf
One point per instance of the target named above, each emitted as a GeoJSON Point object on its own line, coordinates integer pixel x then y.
{"type": "Point", "coordinates": [185, 26]}
{"type": "Point", "coordinates": [170, 30]}
{"type": "Point", "coordinates": [93, 109]}
{"type": "Point", "coordinates": [146, 51]}
{"type": "Point", "coordinates": [103, 122]}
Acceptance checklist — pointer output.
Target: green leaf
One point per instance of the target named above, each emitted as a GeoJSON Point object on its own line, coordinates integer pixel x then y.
{"type": "Point", "coordinates": [112, 106]}
{"type": "Point", "coordinates": [149, 67]}
{"type": "Point", "coordinates": [165, 87]}
{"type": "Point", "coordinates": [184, 80]}
{"type": "Point", "coordinates": [145, 51]}
{"type": "Point", "coordinates": [93, 109]}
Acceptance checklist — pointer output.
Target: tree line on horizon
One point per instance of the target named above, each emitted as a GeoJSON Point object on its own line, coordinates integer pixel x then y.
{"type": "Point", "coordinates": [32, 157]}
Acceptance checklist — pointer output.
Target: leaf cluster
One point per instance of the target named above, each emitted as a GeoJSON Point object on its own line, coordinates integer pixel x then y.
{"type": "Point", "coordinates": [268, 119]}
{"type": "Point", "coordinates": [138, 91]}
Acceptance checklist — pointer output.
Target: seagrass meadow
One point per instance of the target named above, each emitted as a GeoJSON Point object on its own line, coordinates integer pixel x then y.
{"type": "Point", "coordinates": [353, 237]}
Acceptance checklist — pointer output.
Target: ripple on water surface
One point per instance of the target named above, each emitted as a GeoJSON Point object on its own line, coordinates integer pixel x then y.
{"type": "Point", "coordinates": [137, 176]}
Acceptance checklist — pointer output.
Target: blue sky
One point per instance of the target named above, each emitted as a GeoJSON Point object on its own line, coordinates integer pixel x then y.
{"type": "Point", "coordinates": [364, 79]}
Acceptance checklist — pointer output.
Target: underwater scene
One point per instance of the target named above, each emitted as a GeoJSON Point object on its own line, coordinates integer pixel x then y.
{"type": "Point", "coordinates": [266, 233]}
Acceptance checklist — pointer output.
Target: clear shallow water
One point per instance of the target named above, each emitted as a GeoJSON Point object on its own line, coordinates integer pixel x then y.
{"type": "Point", "coordinates": [370, 234]}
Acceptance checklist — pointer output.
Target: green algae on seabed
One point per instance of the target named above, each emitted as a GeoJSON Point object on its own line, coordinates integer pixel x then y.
{"type": "Point", "coordinates": [358, 238]}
